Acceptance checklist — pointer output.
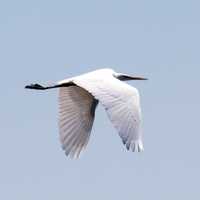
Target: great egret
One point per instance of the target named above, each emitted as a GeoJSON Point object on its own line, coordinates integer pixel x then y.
{"type": "Point", "coordinates": [78, 99]}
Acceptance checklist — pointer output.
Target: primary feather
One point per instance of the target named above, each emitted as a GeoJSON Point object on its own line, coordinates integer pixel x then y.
{"type": "Point", "coordinates": [76, 116]}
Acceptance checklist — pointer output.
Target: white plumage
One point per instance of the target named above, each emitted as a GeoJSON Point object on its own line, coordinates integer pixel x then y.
{"type": "Point", "coordinates": [78, 98]}
{"type": "Point", "coordinates": [75, 119]}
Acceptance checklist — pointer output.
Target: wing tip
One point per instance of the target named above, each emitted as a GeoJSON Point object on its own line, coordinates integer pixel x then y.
{"type": "Point", "coordinates": [73, 153]}
{"type": "Point", "coordinates": [135, 146]}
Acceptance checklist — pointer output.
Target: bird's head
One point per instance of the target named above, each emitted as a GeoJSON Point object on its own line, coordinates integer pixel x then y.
{"type": "Point", "coordinates": [120, 76]}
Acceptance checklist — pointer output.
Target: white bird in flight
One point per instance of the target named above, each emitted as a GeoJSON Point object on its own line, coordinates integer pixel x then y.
{"type": "Point", "coordinates": [78, 99]}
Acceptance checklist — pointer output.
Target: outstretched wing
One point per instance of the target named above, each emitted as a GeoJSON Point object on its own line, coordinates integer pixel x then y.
{"type": "Point", "coordinates": [122, 103]}
{"type": "Point", "coordinates": [76, 116]}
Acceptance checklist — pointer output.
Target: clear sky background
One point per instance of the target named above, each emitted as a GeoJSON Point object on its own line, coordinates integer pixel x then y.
{"type": "Point", "coordinates": [45, 41]}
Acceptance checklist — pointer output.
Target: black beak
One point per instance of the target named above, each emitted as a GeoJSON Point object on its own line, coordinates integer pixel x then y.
{"type": "Point", "coordinates": [126, 77]}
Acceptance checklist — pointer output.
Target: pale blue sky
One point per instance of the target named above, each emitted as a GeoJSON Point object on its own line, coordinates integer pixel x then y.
{"type": "Point", "coordinates": [44, 41]}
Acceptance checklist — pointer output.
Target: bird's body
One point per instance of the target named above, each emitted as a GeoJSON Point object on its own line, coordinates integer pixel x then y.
{"type": "Point", "coordinates": [78, 99]}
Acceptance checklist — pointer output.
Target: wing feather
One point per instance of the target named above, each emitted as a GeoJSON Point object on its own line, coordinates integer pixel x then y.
{"type": "Point", "coordinates": [122, 103]}
{"type": "Point", "coordinates": [76, 106]}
